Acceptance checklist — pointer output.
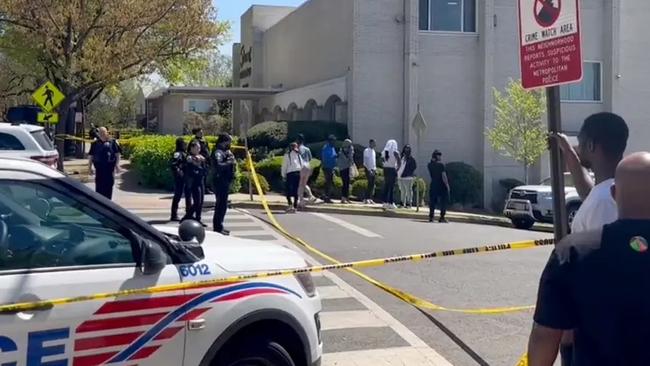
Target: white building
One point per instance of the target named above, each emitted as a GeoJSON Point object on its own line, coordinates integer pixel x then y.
{"type": "Point", "coordinates": [372, 63]}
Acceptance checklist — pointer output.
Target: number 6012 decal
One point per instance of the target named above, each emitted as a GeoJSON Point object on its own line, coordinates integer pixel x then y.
{"type": "Point", "coordinates": [194, 270]}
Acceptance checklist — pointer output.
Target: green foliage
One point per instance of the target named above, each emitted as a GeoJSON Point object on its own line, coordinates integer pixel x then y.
{"type": "Point", "coordinates": [116, 107]}
{"type": "Point", "coordinates": [518, 131]}
{"type": "Point", "coordinates": [271, 169]}
{"type": "Point", "coordinates": [151, 161]}
{"type": "Point", "coordinates": [466, 184]}
{"type": "Point", "coordinates": [278, 135]}
{"type": "Point", "coordinates": [244, 183]}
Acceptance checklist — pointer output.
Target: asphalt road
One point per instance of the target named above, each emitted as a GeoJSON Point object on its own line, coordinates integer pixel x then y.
{"type": "Point", "coordinates": [473, 281]}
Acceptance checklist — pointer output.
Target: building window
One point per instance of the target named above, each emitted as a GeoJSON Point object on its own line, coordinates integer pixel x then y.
{"type": "Point", "coordinates": [192, 105]}
{"type": "Point", "coordinates": [589, 89]}
{"type": "Point", "coordinates": [448, 15]}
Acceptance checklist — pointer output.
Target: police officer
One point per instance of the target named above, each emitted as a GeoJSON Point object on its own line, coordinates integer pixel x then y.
{"type": "Point", "coordinates": [204, 151]}
{"type": "Point", "coordinates": [104, 155]}
{"type": "Point", "coordinates": [177, 165]}
{"type": "Point", "coordinates": [195, 171]}
{"type": "Point", "coordinates": [223, 164]}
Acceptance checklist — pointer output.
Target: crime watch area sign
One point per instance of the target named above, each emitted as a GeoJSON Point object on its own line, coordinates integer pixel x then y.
{"type": "Point", "coordinates": [550, 47]}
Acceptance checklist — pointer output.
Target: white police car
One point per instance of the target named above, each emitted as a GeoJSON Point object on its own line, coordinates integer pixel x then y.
{"type": "Point", "coordinates": [59, 239]}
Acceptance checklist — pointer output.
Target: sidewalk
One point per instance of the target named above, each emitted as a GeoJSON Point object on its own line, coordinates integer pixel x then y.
{"type": "Point", "coordinates": [130, 195]}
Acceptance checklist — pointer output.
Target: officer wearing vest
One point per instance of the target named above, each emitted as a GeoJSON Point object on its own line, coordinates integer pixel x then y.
{"type": "Point", "coordinates": [223, 164]}
{"type": "Point", "coordinates": [177, 165]}
{"type": "Point", "coordinates": [104, 156]}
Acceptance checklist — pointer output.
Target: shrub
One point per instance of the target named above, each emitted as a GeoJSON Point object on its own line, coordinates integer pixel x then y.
{"type": "Point", "coordinates": [271, 169]}
{"type": "Point", "coordinates": [272, 135]}
{"type": "Point", "coordinates": [318, 187]}
{"type": "Point", "coordinates": [151, 161]}
{"type": "Point", "coordinates": [245, 176]}
{"type": "Point", "coordinates": [466, 184]}
{"type": "Point", "coordinates": [277, 135]}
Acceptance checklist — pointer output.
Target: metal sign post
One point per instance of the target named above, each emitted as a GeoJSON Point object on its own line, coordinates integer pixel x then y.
{"type": "Point", "coordinates": [557, 163]}
{"type": "Point", "coordinates": [550, 53]}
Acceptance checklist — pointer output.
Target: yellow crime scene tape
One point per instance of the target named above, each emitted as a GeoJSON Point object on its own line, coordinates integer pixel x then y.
{"type": "Point", "coordinates": [411, 299]}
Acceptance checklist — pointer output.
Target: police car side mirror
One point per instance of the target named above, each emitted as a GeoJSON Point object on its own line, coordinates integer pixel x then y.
{"type": "Point", "coordinates": [154, 258]}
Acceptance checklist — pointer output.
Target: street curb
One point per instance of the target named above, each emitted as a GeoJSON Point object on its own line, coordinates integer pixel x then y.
{"type": "Point", "coordinates": [452, 217]}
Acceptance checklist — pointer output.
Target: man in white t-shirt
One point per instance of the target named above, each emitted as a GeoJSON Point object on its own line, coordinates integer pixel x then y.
{"type": "Point", "coordinates": [601, 144]}
{"type": "Point", "coordinates": [370, 163]}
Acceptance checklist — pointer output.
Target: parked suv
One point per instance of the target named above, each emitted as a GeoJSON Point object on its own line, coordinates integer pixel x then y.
{"type": "Point", "coordinates": [27, 141]}
{"type": "Point", "coordinates": [528, 204]}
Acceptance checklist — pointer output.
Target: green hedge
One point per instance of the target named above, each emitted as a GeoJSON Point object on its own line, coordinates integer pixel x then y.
{"type": "Point", "coordinates": [466, 184]}
{"type": "Point", "coordinates": [271, 169]}
{"type": "Point", "coordinates": [128, 145]}
{"type": "Point", "coordinates": [150, 157]}
{"type": "Point", "coordinates": [244, 183]}
{"type": "Point", "coordinates": [277, 135]}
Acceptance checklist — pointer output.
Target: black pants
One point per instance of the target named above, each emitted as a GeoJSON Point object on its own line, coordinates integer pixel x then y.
{"type": "Point", "coordinates": [370, 191]}
{"type": "Point", "coordinates": [345, 177]}
{"type": "Point", "coordinates": [441, 196]}
{"type": "Point", "coordinates": [179, 188]}
{"type": "Point", "coordinates": [329, 182]}
{"type": "Point", "coordinates": [390, 177]}
{"type": "Point", "coordinates": [291, 186]}
{"type": "Point", "coordinates": [194, 190]}
{"type": "Point", "coordinates": [220, 206]}
{"type": "Point", "coordinates": [104, 181]}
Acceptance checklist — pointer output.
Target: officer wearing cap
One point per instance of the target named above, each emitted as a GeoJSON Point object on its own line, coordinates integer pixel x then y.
{"type": "Point", "coordinates": [223, 164]}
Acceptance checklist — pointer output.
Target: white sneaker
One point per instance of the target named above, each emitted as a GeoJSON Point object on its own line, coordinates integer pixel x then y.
{"type": "Point", "coordinates": [393, 206]}
{"type": "Point", "coordinates": [371, 202]}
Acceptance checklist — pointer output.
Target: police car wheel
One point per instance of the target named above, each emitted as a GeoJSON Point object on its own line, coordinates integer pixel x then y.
{"type": "Point", "coordinates": [259, 352]}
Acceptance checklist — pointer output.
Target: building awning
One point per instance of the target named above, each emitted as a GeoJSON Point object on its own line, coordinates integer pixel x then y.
{"type": "Point", "coordinates": [216, 93]}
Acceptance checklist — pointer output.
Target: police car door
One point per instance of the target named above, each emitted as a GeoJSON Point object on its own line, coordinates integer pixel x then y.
{"type": "Point", "coordinates": [56, 242]}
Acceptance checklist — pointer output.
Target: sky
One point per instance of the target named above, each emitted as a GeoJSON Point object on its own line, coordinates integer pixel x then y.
{"type": "Point", "coordinates": [232, 11]}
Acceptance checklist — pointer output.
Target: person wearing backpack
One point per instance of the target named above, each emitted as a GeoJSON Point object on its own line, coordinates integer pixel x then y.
{"type": "Point", "coordinates": [177, 165]}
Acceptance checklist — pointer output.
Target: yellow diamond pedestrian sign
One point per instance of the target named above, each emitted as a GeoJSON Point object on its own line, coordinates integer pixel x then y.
{"type": "Point", "coordinates": [48, 96]}
{"type": "Point", "coordinates": [52, 118]}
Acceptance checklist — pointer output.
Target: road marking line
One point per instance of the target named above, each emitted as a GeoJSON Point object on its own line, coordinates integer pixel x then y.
{"type": "Point", "coordinates": [357, 229]}
{"type": "Point", "coordinates": [385, 357]}
{"type": "Point", "coordinates": [399, 328]}
{"type": "Point", "coordinates": [331, 292]}
{"type": "Point", "coordinates": [350, 319]}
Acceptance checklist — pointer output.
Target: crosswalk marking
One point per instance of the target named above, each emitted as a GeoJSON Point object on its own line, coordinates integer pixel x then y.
{"type": "Point", "coordinates": [355, 330]}
{"type": "Point", "coordinates": [350, 319]}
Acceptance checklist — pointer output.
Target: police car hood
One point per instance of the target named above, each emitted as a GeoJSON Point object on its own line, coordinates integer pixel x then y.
{"type": "Point", "coordinates": [242, 255]}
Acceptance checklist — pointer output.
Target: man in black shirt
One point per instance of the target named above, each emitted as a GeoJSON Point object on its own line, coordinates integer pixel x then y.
{"type": "Point", "coordinates": [439, 188]}
{"type": "Point", "coordinates": [223, 165]}
{"type": "Point", "coordinates": [104, 155]}
{"type": "Point", "coordinates": [598, 283]}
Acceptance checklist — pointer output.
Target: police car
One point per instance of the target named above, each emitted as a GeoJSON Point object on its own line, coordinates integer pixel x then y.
{"type": "Point", "coordinates": [59, 239]}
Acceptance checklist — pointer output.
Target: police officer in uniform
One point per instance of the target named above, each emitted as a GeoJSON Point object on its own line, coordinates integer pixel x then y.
{"type": "Point", "coordinates": [223, 164]}
{"type": "Point", "coordinates": [177, 165]}
{"type": "Point", "coordinates": [204, 151]}
{"type": "Point", "coordinates": [195, 172]}
{"type": "Point", "coordinates": [104, 155]}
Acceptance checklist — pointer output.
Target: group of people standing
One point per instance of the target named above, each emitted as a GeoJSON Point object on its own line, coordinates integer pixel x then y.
{"type": "Point", "coordinates": [398, 167]}
{"type": "Point", "coordinates": [194, 168]}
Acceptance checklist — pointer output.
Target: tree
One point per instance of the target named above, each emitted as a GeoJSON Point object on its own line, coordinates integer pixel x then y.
{"type": "Point", "coordinates": [84, 46]}
{"type": "Point", "coordinates": [116, 106]}
{"type": "Point", "coordinates": [518, 131]}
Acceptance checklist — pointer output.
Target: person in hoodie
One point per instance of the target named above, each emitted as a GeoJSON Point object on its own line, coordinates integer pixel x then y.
{"type": "Point", "coordinates": [392, 163]}
{"type": "Point", "coordinates": [328, 162]}
{"type": "Point", "coordinates": [406, 176]}
{"type": "Point", "coordinates": [292, 165]}
{"type": "Point", "coordinates": [344, 162]}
